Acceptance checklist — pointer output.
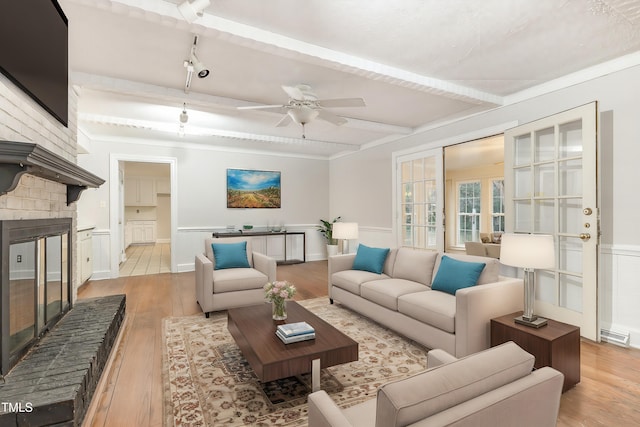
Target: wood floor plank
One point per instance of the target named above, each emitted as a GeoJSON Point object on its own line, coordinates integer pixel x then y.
{"type": "Point", "coordinates": [608, 394]}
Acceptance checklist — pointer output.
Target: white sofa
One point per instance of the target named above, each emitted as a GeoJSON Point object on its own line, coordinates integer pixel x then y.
{"type": "Point", "coordinates": [232, 287]}
{"type": "Point", "coordinates": [493, 388]}
{"type": "Point", "coordinates": [401, 298]}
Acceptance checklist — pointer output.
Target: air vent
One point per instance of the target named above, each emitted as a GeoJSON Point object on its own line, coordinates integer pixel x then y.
{"type": "Point", "coordinates": [618, 338]}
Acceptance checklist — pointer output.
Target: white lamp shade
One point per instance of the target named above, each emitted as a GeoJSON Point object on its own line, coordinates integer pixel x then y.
{"type": "Point", "coordinates": [528, 250]}
{"type": "Point", "coordinates": [345, 230]}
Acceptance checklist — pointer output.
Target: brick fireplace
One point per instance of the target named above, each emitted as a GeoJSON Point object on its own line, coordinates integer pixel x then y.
{"type": "Point", "coordinates": [39, 184]}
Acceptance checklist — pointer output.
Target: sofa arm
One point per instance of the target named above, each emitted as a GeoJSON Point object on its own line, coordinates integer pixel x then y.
{"type": "Point", "coordinates": [265, 264]}
{"type": "Point", "coordinates": [323, 412]}
{"type": "Point", "coordinates": [338, 263]}
{"type": "Point", "coordinates": [204, 281]}
{"type": "Point", "coordinates": [477, 305]}
{"type": "Point", "coordinates": [439, 357]}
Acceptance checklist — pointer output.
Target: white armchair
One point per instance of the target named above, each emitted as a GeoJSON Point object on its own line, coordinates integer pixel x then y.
{"type": "Point", "coordinates": [231, 287]}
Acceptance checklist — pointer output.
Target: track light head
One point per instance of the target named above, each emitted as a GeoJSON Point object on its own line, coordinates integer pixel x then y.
{"type": "Point", "coordinates": [193, 10]}
{"type": "Point", "coordinates": [198, 66]}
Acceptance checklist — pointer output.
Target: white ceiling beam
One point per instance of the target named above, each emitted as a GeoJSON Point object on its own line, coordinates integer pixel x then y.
{"type": "Point", "coordinates": [166, 13]}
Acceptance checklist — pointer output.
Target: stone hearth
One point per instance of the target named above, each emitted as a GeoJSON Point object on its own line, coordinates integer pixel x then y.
{"type": "Point", "coordinates": [54, 382]}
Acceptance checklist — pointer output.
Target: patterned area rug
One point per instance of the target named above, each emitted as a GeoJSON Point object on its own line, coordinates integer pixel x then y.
{"type": "Point", "coordinates": [207, 382]}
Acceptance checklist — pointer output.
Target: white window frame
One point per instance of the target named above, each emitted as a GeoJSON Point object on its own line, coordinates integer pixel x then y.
{"type": "Point", "coordinates": [459, 213]}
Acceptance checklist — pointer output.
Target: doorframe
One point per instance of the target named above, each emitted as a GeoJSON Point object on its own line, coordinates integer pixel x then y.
{"type": "Point", "coordinates": [114, 204]}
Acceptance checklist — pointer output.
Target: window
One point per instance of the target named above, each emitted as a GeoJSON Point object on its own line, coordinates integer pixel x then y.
{"type": "Point", "coordinates": [497, 205]}
{"type": "Point", "coordinates": [418, 202]}
{"type": "Point", "coordinates": [468, 212]}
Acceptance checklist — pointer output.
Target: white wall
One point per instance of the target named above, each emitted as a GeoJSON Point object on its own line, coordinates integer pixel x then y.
{"type": "Point", "coordinates": [360, 186]}
{"type": "Point", "coordinates": [201, 195]}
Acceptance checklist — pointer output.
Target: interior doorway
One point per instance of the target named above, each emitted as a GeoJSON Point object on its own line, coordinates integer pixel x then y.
{"type": "Point", "coordinates": [143, 213]}
{"type": "Point", "coordinates": [146, 218]}
{"type": "Point", "coordinates": [474, 193]}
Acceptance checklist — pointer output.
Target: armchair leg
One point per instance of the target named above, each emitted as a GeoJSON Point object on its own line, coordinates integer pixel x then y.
{"type": "Point", "coordinates": [330, 300]}
{"type": "Point", "coordinates": [206, 315]}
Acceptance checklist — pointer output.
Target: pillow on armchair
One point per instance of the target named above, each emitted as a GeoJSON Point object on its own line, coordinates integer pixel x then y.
{"type": "Point", "coordinates": [230, 255]}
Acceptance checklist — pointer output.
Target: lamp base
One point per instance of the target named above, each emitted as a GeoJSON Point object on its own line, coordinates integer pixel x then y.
{"type": "Point", "coordinates": [537, 322]}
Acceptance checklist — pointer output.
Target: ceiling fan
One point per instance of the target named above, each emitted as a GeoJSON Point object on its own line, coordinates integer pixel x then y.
{"type": "Point", "coordinates": [304, 106]}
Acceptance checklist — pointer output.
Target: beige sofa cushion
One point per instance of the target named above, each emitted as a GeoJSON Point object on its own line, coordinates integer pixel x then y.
{"type": "Point", "coordinates": [415, 265]}
{"type": "Point", "coordinates": [350, 280]}
{"type": "Point", "coordinates": [437, 309]}
{"type": "Point", "coordinates": [490, 274]}
{"type": "Point", "coordinates": [406, 401]}
{"type": "Point", "coordinates": [208, 250]}
{"type": "Point", "coordinates": [386, 292]}
{"type": "Point", "coordinates": [237, 279]}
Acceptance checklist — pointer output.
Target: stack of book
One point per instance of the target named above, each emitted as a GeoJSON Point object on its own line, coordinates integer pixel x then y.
{"type": "Point", "coordinates": [295, 332]}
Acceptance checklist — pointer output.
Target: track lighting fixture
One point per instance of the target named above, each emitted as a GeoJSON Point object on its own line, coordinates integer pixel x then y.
{"type": "Point", "coordinates": [193, 10]}
{"type": "Point", "coordinates": [184, 117]}
{"type": "Point", "coordinates": [198, 66]}
{"type": "Point", "coordinates": [192, 65]}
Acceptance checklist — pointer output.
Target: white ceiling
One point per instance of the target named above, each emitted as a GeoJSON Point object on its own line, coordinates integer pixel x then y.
{"type": "Point", "coordinates": [416, 63]}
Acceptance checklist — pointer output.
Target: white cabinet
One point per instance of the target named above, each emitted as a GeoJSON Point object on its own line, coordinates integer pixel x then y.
{"type": "Point", "coordinates": [143, 231]}
{"type": "Point", "coordinates": [85, 255]}
{"type": "Point", "coordinates": [140, 191]}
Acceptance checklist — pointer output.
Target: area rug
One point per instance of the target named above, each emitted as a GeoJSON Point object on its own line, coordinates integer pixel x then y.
{"type": "Point", "coordinates": [207, 382]}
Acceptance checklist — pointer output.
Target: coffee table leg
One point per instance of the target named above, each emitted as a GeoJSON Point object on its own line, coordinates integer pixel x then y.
{"type": "Point", "coordinates": [315, 375]}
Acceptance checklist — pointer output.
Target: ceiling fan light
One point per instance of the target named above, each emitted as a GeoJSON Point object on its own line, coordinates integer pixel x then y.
{"type": "Point", "coordinates": [191, 11]}
{"type": "Point", "coordinates": [302, 115]}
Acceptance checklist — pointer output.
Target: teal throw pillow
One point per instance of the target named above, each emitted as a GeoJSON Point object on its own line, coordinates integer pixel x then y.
{"type": "Point", "coordinates": [453, 275]}
{"type": "Point", "coordinates": [370, 259]}
{"type": "Point", "coordinates": [230, 255]}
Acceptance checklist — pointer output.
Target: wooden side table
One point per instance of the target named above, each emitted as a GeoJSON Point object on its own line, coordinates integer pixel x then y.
{"type": "Point", "coordinates": [556, 345]}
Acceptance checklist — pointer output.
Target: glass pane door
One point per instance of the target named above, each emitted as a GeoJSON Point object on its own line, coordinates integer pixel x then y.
{"type": "Point", "coordinates": [419, 180]}
{"type": "Point", "coordinates": [551, 188]}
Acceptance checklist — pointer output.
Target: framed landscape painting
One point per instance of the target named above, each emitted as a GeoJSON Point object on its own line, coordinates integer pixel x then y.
{"type": "Point", "coordinates": [253, 189]}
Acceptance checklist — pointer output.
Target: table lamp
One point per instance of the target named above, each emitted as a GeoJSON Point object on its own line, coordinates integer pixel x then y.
{"type": "Point", "coordinates": [345, 231]}
{"type": "Point", "coordinates": [528, 251]}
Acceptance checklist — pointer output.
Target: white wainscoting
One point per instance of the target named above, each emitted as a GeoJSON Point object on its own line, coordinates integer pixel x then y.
{"type": "Point", "coordinates": [619, 290]}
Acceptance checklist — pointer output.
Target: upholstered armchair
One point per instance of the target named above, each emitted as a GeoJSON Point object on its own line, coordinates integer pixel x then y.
{"type": "Point", "coordinates": [495, 387]}
{"type": "Point", "coordinates": [233, 276]}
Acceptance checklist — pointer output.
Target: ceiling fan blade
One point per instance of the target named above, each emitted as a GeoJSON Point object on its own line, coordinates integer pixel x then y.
{"type": "Point", "coordinates": [293, 92]}
{"type": "Point", "coordinates": [341, 102]}
{"type": "Point", "coordinates": [331, 118]}
{"type": "Point", "coordinates": [284, 121]}
{"type": "Point", "coordinates": [260, 107]}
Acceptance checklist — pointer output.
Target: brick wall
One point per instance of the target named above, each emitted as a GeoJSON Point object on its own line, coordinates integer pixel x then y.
{"type": "Point", "coordinates": [23, 120]}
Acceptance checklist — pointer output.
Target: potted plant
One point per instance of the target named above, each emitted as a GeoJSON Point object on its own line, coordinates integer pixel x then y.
{"type": "Point", "coordinates": [326, 229]}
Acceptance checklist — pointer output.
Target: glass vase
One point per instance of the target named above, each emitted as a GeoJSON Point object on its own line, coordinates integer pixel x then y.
{"type": "Point", "coordinates": [279, 309]}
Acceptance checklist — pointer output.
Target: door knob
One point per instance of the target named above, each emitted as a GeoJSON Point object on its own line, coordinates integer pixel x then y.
{"type": "Point", "coordinates": [587, 211]}
{"type": "Point", "coordinates": [585, 236]}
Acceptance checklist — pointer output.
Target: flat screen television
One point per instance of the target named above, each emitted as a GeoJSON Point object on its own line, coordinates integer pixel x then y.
{"type": "Point", "coordinates": [34, 52]}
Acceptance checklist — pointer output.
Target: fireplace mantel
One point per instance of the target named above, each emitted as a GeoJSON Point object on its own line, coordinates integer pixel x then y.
{"type": "Point", "coordinates": [18, 158]}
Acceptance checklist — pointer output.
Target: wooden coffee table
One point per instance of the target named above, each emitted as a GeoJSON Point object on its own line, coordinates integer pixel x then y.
{"type": "Point", "coordinates": [254, 331]}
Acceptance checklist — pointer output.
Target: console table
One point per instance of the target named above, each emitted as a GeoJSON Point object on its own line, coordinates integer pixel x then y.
{"type": "Point", "coordinates": [557, 344]}
{"type": "Point", "coordinates": [258, 233]}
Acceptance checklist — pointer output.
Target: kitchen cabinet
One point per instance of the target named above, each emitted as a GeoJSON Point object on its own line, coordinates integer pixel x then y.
{"type": "Point", "coordinates": [140, 191]}
{"type": "Point", "coordinates": [143, 232]}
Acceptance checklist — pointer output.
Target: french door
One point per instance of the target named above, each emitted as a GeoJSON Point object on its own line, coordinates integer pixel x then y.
{"type": "Point", "coordinates": [419, 183]}
{"type": "Point", "coordinates": [551, 188]}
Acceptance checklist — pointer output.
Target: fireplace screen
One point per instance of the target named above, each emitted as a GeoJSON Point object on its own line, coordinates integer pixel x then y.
{"type": "Point", "coordinates": [36, 285]}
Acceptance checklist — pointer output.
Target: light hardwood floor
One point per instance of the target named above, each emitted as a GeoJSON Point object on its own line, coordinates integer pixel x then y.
{"type": "Point", "coordinates": [146, 259]}
{"type": "Point", "coordinates": [608, 394]}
